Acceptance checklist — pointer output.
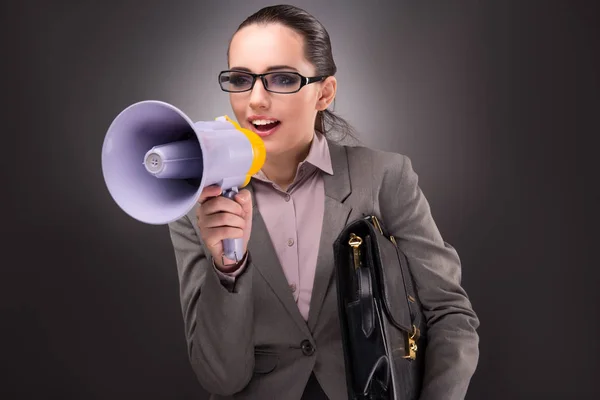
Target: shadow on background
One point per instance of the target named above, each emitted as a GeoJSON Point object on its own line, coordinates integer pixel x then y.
{"type": "Point", "coordinates": [495, 103]}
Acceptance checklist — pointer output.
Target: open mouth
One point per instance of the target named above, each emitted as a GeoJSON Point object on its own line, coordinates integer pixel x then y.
{"type": "Point", "coordinates": [263, 125]}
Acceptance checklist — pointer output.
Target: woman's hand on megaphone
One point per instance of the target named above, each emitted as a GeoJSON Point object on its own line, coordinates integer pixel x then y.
{"type": "Point", "coordinates": [221, 218]}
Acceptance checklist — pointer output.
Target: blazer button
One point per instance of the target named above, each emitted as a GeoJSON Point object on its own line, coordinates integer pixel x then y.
{"type": "Point", "coordinates": [307, 348]}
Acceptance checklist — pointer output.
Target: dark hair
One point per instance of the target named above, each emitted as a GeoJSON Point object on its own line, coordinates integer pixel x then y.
{"type": "Point", "coordinates": [317, 47]}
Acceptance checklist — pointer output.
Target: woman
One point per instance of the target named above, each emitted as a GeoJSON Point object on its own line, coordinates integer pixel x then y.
{"type": "Point", "coordinates": [266, 326]}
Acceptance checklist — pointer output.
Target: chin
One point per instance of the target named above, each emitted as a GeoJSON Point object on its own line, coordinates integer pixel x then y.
{"type": "Point", "coordinates": [272, 147]}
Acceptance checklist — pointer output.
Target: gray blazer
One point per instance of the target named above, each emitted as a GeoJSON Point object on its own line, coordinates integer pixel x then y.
{"type": "Point", "coordinates": [251, 342]}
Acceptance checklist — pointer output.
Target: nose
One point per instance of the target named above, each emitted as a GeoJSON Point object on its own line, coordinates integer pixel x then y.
{"type": "Point", "coordinates": [259, 97]}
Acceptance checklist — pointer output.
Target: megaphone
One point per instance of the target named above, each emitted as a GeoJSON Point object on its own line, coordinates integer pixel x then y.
{"type": "Point", "coordinates": [156, 162]}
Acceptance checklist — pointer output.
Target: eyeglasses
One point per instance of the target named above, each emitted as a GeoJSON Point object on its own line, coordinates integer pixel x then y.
{"type": "Point", "coordinates": [275, 82]}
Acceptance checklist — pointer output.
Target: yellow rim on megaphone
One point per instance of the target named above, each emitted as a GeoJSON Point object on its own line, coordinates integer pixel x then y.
{"type": "Point", "coordinates": [258, 150]}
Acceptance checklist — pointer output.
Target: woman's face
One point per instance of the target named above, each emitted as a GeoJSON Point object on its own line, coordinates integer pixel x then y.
{"type": "Point", "coordinates": [274, 47]}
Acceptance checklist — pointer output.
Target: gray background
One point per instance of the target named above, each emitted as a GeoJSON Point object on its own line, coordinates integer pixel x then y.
{"type": "Point", "coordinates": [495, 102]}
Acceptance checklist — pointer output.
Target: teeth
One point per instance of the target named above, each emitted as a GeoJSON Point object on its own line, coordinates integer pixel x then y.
{"type": "Point", "coordinates": [262, 122]}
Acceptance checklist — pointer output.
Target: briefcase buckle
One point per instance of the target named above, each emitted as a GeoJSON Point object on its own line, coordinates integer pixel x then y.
{"type": "Point", "coordinates": [412, 344]}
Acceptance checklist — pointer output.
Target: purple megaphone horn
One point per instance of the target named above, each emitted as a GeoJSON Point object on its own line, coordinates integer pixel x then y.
{"type": "Point", "coordinates": [156, 162]}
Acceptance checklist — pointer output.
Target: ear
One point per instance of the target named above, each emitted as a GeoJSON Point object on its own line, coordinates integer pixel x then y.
{"type": "Point", "coordinates": [326, 93]}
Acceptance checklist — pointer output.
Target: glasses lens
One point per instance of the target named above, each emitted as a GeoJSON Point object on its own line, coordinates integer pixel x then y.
{"type": "Point", "coordinates": [283, 82]}
{"type": "Point", "coordinates": [235, 81]}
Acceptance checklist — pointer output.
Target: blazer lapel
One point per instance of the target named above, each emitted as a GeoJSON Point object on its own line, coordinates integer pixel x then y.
{"type": "Point", "coordinates": [337, 213]}
{"type": "Point", "coordinates": [264, 258]}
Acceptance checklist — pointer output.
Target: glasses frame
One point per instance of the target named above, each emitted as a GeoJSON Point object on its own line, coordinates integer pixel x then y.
{"type": "Point", "coordinates": [303, 80]}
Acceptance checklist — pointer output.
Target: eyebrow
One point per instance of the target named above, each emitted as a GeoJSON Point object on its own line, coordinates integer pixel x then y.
{"type": "Point", "coordinates": [269, 69]}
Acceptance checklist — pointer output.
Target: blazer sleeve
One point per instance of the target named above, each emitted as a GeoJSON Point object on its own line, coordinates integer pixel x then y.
{"type": "Point", "coordinates": [218, 317]}
{"type": "Point", "coordinates": [453, 343]}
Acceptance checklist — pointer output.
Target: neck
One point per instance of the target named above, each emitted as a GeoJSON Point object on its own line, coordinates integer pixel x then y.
{"type": "Point", "coordinates": [281, 168]}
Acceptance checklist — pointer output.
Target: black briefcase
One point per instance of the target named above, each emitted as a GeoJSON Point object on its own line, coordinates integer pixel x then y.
{"type": "Point", "coordinates": [381, 320]}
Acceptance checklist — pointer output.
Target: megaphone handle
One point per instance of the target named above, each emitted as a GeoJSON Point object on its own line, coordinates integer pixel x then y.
{"type": "Point", "coordinates": [233, 248]}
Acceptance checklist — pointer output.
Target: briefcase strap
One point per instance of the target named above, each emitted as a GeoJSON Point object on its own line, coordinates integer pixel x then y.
{"type": "Point", "coordinates": [413, 303]}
